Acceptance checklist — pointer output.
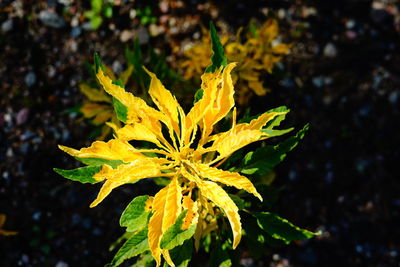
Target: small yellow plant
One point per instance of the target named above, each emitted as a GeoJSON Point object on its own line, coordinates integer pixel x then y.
{"type": "Point", "coordinates": [259, 53]}
{"type": "Point", "coordinates": [187, 151]}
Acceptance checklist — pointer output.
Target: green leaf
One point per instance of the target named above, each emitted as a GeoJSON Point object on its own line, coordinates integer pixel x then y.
{"type": "Point", "coordinates": [90, 14]}
{"type": "Point", "coordinates": [198, 95]}
{"type": "Point", "coordinates": [280, 228]}
{"type": "Point", "coordinates": [161, 181]}
{"type": "Point", "coordinates": [240, 202]}
{"type": "Point", "coordinates": [265, 158]}
{"type": "Point", "coordinates": [96, 5]}
{"type": "Point", "coordinates": [182, 255]}
{"type": "Point", "coordinates": [273, 133]}
{"type": "Point", "coordinates": [275, 122]}
{"type": "Point", "coordinates": [95, 22]}
{"type": "Point", "coordinates": [135, 217]}
{"type": "Point", "coordinates": [218, 58]}
{"type": "Point", "coordinates": [175, 236]}
{"type": "Point", "coordinates": [144, 20]}
{"type": "Point", "coordinates": [219, 257]}
{"type": "Point", "coordinates": [83, 174]}
{"type": "Point", "coordinates": [98, 162]}
{"type": "Point", "coordinates": [121, 110]}
{"type": "Point", "coordinates": [137, 244]}
{"type": "Point", "coordinates": [108, 11]}
{"type": "Point", "coordinates": [97, 63]}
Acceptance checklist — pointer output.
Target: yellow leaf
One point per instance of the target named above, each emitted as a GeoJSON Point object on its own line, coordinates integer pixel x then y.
{"type": "Point", "coordinates": [282, 49]}
{"type": "Point", "coordinates": [105, 190]}
{"type": "Point", "coordinates": [125, 173]}
{"type": "Point", "coordinates": [258, 123]}
{"type": "Point", "coordinates": [241, 135]}
{"type": "Point", "coordinates": [155, 224]}
{"type": "Point", "coordinates": [220, 198]}
{"type": "Point", "coordinates": [136, 170]}
{"type": "Point", "coordinates": [94, 94]}
{"type": "Point", "coordinates": [137, 131]}
{"type": "Point", "coordinates": [229, 142]}
{"type": "Point", "coordinates": [91, 109]}
{"type": "Point", "coordinates": [192, 214]}
{"type": "Point", "coordinates": [167, 257]}
{"type": "Point", "coordinates": [269, 30]}
{"type": "Point", "coordinates": [228, 178]}
{"type": "Point", "coordinates": [173, 204]}
{"type": "Point", "coordinates": [138, 110]}
{"type": "Point", "coordinates": [102, 117]}
{"type": "Point", "coordinates": [258, 88]}
{"type": "Point", "coordinates": [165, 101]}
{"type": "Point", "coordinates": [167, 206]}
{"type": "Point", "coordinates": [221, 104]}
{"type": "Point", "coordinates": [114, 149]}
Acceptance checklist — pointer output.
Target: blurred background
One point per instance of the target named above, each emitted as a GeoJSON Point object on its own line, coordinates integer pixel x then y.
{"type": "Point", "coordinates": [341, 76]}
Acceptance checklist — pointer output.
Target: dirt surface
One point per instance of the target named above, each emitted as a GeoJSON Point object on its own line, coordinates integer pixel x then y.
{"type": "Point", "coordinates": [342, 77]}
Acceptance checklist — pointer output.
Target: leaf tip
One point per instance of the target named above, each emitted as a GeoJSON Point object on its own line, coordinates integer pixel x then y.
{"type": "Point", "coordinates": [97, 62]}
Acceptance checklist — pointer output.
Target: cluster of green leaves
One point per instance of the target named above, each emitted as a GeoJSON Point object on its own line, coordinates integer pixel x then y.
{"type": "Point", "coordinates": [99, 8]}
{"type": "Point", "coordinates": [145, 16]}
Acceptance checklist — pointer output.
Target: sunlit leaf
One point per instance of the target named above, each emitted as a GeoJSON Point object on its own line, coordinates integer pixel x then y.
{"type": "Point", "coordinates": [83, 174]}
{"type": "Point", "coordinates": [136, 215]}
{"type": "Point", "coordinates": [175, 235]}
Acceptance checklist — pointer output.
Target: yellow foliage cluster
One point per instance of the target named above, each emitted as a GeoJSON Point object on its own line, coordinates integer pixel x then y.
{"type": "Point", "coordinates": [257, 55]}
{"type": "Point", "coordinates": [187, 151]}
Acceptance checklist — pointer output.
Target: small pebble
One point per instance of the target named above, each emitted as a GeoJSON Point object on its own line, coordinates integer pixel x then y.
{"type": "Point", "coordinates": [22, 116]}
{"type": "Point", "coordinates": [36, 216]}
{"type": "Point", "coordinates": [51, 19]}
{"type": "Point", "coordinates": [330, 50]}
{"type": "Point", "coordinates": [143, 35]}
{"type": "Point", "coordinates": [126, 35]}
{"type": "Point", "coordinates": [75, 32]}
{"type": "Point", "coordinates": [61, 264]}
{"type": "Point", "coordinates": [30, 79]}
{"type": "Point", "coordinates": [7, 25]}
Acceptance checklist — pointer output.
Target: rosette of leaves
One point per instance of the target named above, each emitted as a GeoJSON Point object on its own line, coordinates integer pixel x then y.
{"type": "Point", "coordinates": [187, 152]}
{"type": "Point", "coordinates": [256, 56]}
